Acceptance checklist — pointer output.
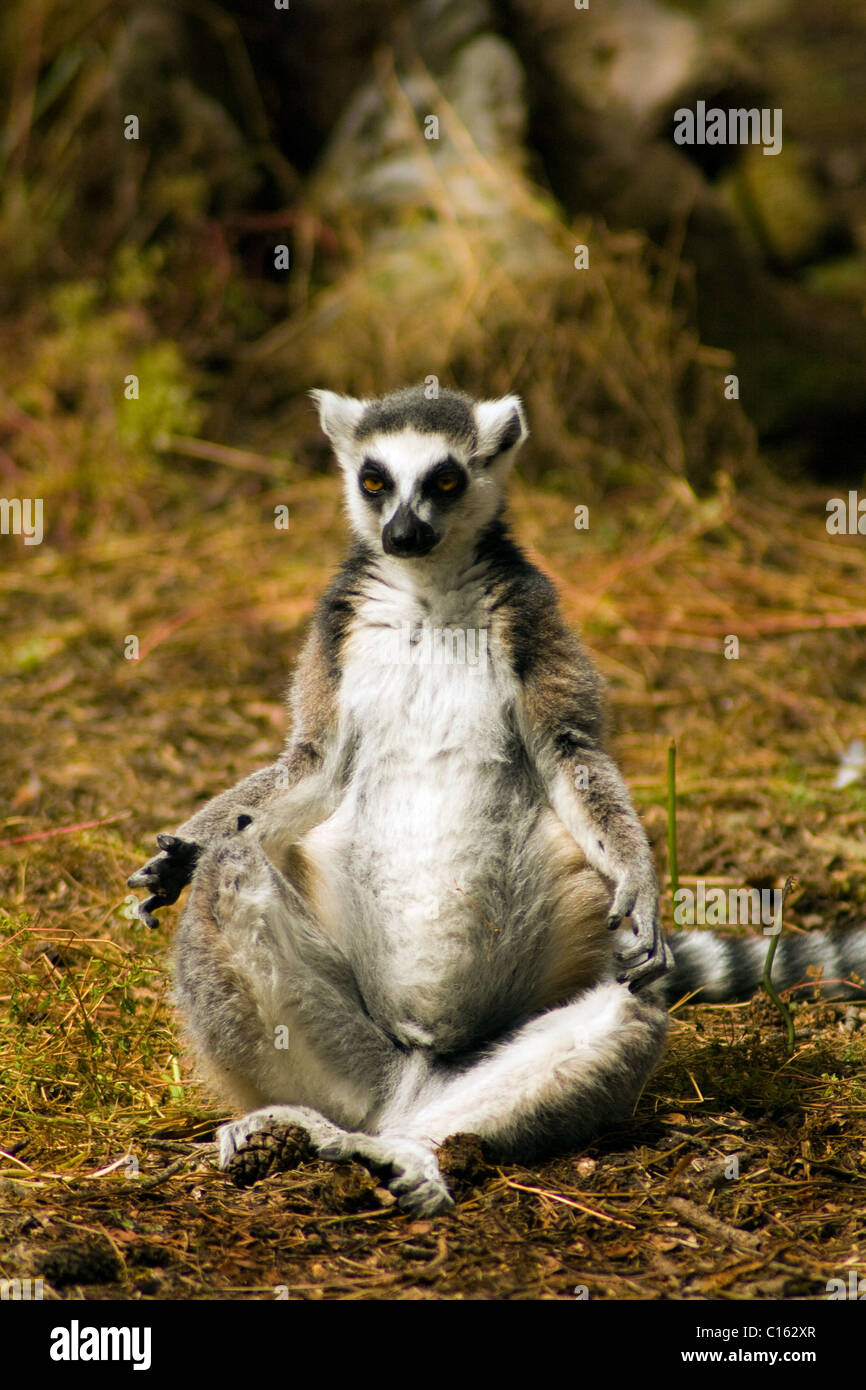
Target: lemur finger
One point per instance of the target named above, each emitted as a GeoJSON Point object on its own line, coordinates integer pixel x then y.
{"type": "Point", "coordinates": [647, 942]}
{"type": "Point", "coordinates": [644, 975]}
{"type": "Point", "coordinates": [641, 954]}
{"type": "Point", "coordinates": [636, 956]}
{"type": "Point", "coordinates": [149, 874]}
{"type": "Point", "coordinates": [182, 854]}
{"type": "Point", "coordinates": [626, 900]}
{"type": "Point", "coordinates": [144, 911]}
{"type": "Point", "coordinates": [642, 966]}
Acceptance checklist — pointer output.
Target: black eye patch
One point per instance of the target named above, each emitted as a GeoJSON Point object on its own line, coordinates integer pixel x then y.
{"type": "Point", "coordinates": [446, 482]}
{"type": "Point", "coordinates": [374, 479]}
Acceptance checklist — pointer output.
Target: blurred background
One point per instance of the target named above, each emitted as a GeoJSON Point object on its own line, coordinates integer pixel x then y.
{"type": "Point", "coordinates": [407, 255]}
{"type": "Point", "coordinates": [208, 209]}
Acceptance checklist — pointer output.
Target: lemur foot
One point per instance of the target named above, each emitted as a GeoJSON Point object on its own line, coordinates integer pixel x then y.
{"type": "Point", "coordinates": [282, 1136]}
{"type": "Point", "coordinates": [165, 875]}
{"type": "Point", "coordinates": [273, 1139]}
{"type": "Point", "coordinates": [414, 1176]}
{"type": "Point", "coordinates": [274, 1150]}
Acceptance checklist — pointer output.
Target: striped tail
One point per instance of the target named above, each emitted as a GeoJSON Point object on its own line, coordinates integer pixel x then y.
{"type": "Point", "coordinates": [719, 969]}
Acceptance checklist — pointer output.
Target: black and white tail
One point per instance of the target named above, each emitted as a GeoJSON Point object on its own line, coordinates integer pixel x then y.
{"type": "Point", "coordinates": [719, 969]}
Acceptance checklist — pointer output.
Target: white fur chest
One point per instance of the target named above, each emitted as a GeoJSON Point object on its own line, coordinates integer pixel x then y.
{"type": "Point", "coordinates": [420, 830]}
{"type": "Point", "coordinates": [423, 679]}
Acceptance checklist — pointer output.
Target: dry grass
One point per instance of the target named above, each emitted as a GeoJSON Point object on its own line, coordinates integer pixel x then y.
{"type": "Point", "coordinates": [89, 1057]}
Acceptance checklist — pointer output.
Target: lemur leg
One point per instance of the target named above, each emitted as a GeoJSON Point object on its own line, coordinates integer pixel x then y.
{"type": "Point", "coordinates": [268, 996]}
{"type": "Point", "coordinates": [554, 1083]}
{"type": "Point", "coordinates": [275, 1014]}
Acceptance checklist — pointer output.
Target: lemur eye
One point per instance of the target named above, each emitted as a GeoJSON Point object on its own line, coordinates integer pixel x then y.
{"type": "Point", "coordinates": [371, 482]}
{"type": "Point", "coordinates": [447, 482]}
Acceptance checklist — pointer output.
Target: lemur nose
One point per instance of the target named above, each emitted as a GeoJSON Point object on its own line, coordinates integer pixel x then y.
{"type": "Point", "coordinates": [406, 534]}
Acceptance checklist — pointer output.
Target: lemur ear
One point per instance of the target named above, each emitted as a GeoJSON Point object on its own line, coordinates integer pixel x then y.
{"type": "Point", "coordinates": [338, 415]}
{"type": "Point", "coordinates": [501, 427]}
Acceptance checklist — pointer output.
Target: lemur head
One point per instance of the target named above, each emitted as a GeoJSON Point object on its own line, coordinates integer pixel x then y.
{"type": "Point", "coordinates": [422, 475]}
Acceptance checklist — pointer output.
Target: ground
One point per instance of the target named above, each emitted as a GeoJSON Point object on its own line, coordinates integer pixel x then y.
{"type": "Point", "coordinates": [741, 1173]}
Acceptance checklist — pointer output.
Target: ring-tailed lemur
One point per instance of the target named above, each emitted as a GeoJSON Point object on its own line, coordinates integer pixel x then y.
{"type": "Point", "coordinates": [407, 927]}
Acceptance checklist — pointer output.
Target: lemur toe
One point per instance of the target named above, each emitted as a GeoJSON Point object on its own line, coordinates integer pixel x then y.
{"type": "Point", "coordinates": [428, 1198]}
{"type": "Point", "coordinates": [145, 910]}
{"type": "Point", "coordinates": [645, 972]}
{"type": "Point", "coordinates": [165, 875]}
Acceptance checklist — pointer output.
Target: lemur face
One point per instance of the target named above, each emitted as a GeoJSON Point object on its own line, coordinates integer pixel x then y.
{"type": "Point", "coordinates": [422, 475]}
{"type": "Point", "coordinates": [411, 485]}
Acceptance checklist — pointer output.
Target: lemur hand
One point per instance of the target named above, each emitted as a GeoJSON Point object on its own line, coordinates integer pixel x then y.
{"type": "Point", "coordinates": [165, 875]}
{"type": "Point", "coordinates": [650, 956]}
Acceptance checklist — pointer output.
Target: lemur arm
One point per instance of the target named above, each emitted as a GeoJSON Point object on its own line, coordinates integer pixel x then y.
{"type": "Point", "coordinates": [563, 715]}
{"type": "Point", "coordinates": [294, 775]}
